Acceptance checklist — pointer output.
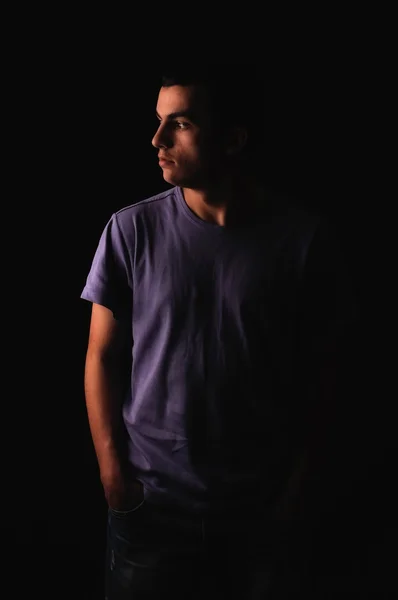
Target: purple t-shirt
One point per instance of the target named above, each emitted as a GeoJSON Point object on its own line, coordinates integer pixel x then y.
{"type": "Point", "coordinates": [222, 319]}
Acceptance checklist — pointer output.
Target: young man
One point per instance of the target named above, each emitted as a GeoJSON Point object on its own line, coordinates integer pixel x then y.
{"type": "Point", "coordinates": [215, 313]}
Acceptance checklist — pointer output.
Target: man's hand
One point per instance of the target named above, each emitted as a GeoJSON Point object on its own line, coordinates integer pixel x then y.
{"type": "Point", "coordinates": [121, 494]}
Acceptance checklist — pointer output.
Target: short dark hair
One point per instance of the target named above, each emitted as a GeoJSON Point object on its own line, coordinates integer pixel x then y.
{"type": "Point", "coordinates": [236, 92]}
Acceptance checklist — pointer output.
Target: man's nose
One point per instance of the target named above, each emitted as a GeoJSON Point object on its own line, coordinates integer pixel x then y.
{"type": "Point", "coordinates": [161, 139]}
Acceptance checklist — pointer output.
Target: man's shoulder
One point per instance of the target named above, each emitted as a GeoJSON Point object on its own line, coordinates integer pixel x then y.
{"type": "Point", "coordinates": [288, 211]}
{"type": "Point", "coordinates": [151, 205]}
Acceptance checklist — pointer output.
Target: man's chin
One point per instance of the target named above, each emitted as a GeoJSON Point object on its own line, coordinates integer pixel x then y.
{"type": "Point", "coordinates": [175, 180]}
{"type": "Point", "coordinates": [170, 179]}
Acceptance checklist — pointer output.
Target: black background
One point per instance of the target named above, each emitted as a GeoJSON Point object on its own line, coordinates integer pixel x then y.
{"type": "Point", "coordinates": [80, 149]}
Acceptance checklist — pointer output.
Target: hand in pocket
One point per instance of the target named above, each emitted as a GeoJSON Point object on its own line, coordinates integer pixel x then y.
{"type": "Point", "coordinates": [123, 495]}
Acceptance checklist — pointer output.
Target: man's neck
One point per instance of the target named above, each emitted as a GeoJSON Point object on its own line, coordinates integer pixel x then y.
{"type": "Point", "coordinates": [225, 201]}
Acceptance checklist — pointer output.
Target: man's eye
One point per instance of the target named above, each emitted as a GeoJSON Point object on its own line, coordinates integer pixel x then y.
{"type": "Point", "coordinates": [181, 125]}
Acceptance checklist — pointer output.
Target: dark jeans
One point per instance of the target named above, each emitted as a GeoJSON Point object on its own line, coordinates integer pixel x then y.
{"type": "Point", "coordinates": [156, 552]}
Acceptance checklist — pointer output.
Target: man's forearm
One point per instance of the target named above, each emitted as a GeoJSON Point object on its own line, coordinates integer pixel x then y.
{"type": "Point", "coordinates": [103, 391]}
{"type": "Point", "coordinates": [311, 460]}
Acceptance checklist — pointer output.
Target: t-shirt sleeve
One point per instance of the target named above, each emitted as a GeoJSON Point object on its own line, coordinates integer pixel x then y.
{"type": "Point", "coordinates": [109, 281]}
{"type": "Point", "coordinates": [328, 302]}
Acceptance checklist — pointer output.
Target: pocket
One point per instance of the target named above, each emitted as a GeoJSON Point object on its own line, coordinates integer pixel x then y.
{"type": "Point", "coordinates": [126, 513]}
{"type": "Point", "coordinates": [137, 504]}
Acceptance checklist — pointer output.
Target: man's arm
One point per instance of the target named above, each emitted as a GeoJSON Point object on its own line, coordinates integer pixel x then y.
{"type": "Point", "coordinates": [319, 428]}
{"type": "Point", "coordinates": [104, 384]}
{"type": "Point", "coordinates": [327, 310]}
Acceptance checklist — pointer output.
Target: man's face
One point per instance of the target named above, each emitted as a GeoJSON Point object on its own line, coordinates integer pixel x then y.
{"type": "Point", "coordinates": [186, 137]}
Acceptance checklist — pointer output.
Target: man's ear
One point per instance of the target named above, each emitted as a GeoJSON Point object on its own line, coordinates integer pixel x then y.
{"type": "Point", "coordinates": [236, 140]}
